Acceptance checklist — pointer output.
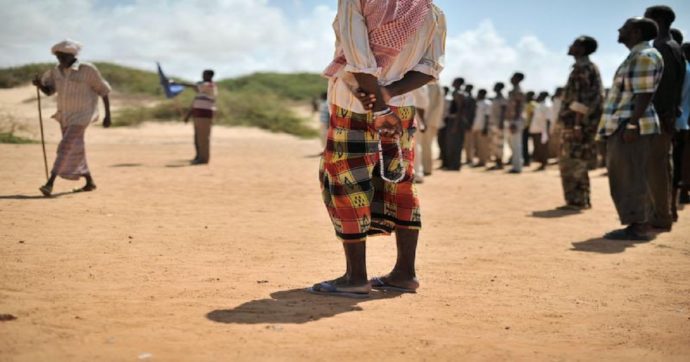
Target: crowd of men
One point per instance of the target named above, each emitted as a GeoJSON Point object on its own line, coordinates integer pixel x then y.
{"type": "Point", "coordinates": [638, 128]}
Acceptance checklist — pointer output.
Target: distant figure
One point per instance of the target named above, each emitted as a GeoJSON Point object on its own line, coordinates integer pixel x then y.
{"type": "Point", "coordinates": [421, 104]}
{"type": "Point", "coordinates": [434, 118]}
{"type": "Point", "coordinates": [455, 131]}
{"type": "Point", "coordinates": [579, 118]}
{"type": "Point", "coordinates": [677, 35]}
{"type": "Point", "coordinates": [324, 117]}
{"type": "Point", "coordinates": [537, 130]}
{"type": "Point", "coordinates": [480, 129]}
{"type": "Point", "coordinates": [497, 117]}
{"type": "Point", "coordinates": [441, 138]}
{"type": "Point", "coordinates": [516, 103]}
{"type": "Point", "coordinates": [78, 86]}
{"type": "Point", "coordinates": [629, 123]}
{"type": "Point", "coordinates": [470, 110]}
{"type": "Point", "coordinates": [203, 110]}
{"type": "Point", "coordinates": [681, 152]}
{"type": "Point", "coordinates": [555, 126]}
{"type": "Point", "coordinates": [667, 104]}
{"type": "Point", "coordinates": [527, 115]}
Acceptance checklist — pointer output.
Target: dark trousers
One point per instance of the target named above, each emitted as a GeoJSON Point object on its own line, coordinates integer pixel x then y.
{"type": "Point", "coordinates": [541, 150]}
{"type": "Point", "coordinates": [628, 166]}
{"type": "Point", "coordinates": [681, 159]}
{"type": "Point", "coordinates": [660, 177]}
{"type": "Point", "coordinates": [455, 140]}
{"type": "Point", "coordinates": [441, 139]}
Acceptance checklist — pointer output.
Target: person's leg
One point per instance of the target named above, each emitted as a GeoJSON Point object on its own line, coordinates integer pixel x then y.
{"type": "Point", "coordinates": [678, 149]}
{"type": "Point", "coordinates": [469, 147]}
{"type": "Point", "coordinates": [525, 147]}
{"type": "Point", "coordinates": [202, 129]}
{"type": "Point", "coordinates": [356, 265]}
{"type": "Point", "coordinates": [627, 165]}
{"type": "Point", "coordinates": [516, 148]}
{"type": "Point", "coordinates": [404, 274]}
{"type": "Point", "coordinates": [482, 148]}
{"type": "Point", "coordinates": [660, 170]}
{"type": "Point", "coordinates": [441, 140]}
{"type": "Point", "coordinates": [196, 140]}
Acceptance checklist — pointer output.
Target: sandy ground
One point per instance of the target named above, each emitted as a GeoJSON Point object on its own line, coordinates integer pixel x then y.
{"type": "Point", "coordinates": [171, 262]}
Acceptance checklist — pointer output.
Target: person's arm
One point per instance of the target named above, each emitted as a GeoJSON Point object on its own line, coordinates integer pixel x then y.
{"type": "Point", "coordinates": [422, 119]}
{"type": "Point", "coordinates": [502, 119]}
{"type": "Point", "coordinates": [106, 106]}
{"type": "Point", "coordinates": [485, 127]}
{"type": "Point", "coordinates": [184, 84]}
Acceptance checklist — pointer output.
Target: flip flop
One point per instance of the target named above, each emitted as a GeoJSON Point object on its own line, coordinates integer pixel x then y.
{"type": "Point", "coordinates": [328, 288]}
{"type": "Point", "coordinates": [378, 284]}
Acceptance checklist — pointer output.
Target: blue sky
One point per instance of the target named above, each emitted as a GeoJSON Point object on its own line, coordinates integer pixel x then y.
{"type": "Point", "coordinates": [487, 40]}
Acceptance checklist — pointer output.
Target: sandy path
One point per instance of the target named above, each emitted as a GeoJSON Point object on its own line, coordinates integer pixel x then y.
{"type": "Point", "coordinates": [208, 263]}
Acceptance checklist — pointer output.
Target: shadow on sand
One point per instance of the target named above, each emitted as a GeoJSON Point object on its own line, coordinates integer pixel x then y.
{"type": "Point", "coordinates": [554, 213]}
{"type": "Point", "coordinates": [127, 165]}
{"type": "Point", "coordinates": [605, 246]}
{"type": "Point", "coordinates": [294, 306]}
{"type": "Point", "coordinates": [35, 197]}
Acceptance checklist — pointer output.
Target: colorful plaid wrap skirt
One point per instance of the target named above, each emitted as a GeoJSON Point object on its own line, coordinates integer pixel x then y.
{"type": "Point", "coordinates": [359, 202]}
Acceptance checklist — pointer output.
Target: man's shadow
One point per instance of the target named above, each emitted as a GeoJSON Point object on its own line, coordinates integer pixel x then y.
{"type": "Point", "coordinates": [294, 306]}
{"type": "Point", "coordinates": [35, 197]}
{"type": "Point", "coordinates": [604, 246]}
{"type": "Point", "coordinates": [554, 213]}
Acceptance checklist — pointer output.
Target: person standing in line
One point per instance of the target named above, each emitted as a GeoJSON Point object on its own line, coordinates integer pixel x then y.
{"type": "Point", "coordinates": [78, 86]}
{"type": "Point", "coordinates": [516, 104]}
{"type": "Point", "coordinates": [579, 118]}
{"type": "Point", "coordinates": [441, 137]}
{"type": "Point", "coordinates": [554, 125]}
{"type": "Point", "coordinates": [470, 110]}
{"type": "Point", "coordinates": [681, 146]}
{"type": "Point", "coordinates": [480, 128]}
{"type": "Point", "coordinates": [538, 131]}
{"type": "Point", "coordinates": [497, 117]}
{"type": "Point", "coordinates": [455, 131]}
{"type": "Point", "coordinates": [667, 104]}
{"type": "Point", "coordinates": [527, 115]}
{"type": "Point", "coordinates": [629, 123]}
{"type": "Point", "coordinates": [434, 118]}
{"type": "Point", "coordinates": [420, 98]}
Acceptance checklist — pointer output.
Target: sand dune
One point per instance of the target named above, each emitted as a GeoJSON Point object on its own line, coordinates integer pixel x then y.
{"type": "Point", "coordinates": [171, 262]}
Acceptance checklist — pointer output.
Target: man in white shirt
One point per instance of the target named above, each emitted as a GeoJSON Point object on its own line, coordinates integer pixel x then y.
{"type": "Point", "coordinates": [538, 131]}
{"type": "Point", "coordinates": [78, 86]}
{"type": "Point", "coordinates": [480, 128]}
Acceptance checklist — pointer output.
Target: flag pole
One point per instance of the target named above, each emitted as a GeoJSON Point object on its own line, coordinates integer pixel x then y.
{"type": "Point", "coordinates": [40, 120]}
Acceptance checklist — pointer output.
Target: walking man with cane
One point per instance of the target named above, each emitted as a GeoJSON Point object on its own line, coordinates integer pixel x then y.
{"type": "Point", "coordinates": [78, 86]}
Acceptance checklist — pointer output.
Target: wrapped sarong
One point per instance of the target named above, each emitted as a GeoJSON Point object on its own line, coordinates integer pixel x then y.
{"type": "Point", "coordinates": [358, 200]}
{"type": "Point", "coordinates": [70, 162]}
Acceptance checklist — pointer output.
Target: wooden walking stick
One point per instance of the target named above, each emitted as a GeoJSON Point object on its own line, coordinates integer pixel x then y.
{"type": "Point", "coordinates": [40, 120]}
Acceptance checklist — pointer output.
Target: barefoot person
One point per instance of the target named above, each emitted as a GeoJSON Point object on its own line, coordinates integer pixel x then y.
{"type": "Point", "coordinates": [384, 50]}
{"type": "Point", "coordinates": [629, 123]}
{"type": "Point", "coordinates": [579, 117]}
{"type": "Point", "coordinates": [78, 86]}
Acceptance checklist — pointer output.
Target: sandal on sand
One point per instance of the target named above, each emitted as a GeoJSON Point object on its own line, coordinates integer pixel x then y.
{"type": "Point", "coordinates": [329, 288]}
{"type": "Point", "coordinates": [379, 284]}
{"type": "Point", "coordinates": [46, 190]}
{"type": "Point", "coordinates": [86, 188]}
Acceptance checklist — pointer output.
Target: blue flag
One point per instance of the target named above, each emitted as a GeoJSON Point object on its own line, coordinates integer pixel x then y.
{"type": "Point", "coordinates": [171, 90]}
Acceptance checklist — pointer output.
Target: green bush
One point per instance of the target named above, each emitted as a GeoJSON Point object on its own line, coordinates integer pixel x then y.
{"type": "Point", "coordinates": [9, 137]}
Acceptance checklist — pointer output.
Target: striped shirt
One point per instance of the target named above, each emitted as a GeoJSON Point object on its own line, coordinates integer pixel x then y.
{"type": "Point", "coordinates": [640, 73]}
{"type": "Point", "coordinates": [78, 88]}
{"type": "Point", "coordinates": [206, 96]}
{"type": "Point", "coordinates": [423, 53]}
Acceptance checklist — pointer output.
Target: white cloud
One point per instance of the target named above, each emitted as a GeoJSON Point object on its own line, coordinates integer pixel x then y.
{"type": "Point", "coordinates": [237, 37]}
